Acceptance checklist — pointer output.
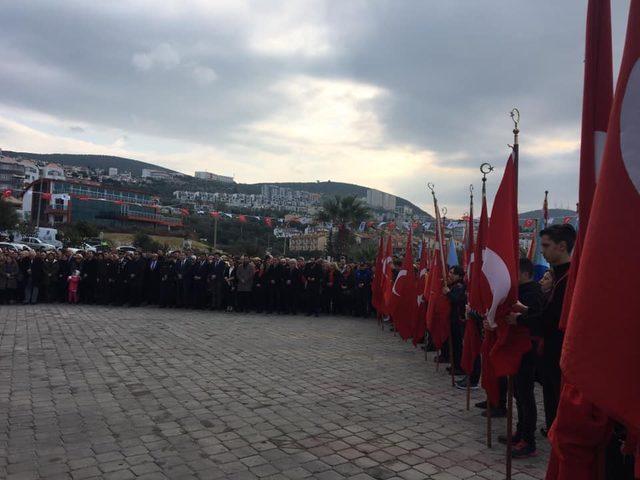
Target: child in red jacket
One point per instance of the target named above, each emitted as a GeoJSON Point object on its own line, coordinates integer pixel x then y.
{"type": "Point", "coordinates": [73, 282]}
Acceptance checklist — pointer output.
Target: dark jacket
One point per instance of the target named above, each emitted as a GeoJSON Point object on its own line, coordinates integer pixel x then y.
{"type": "Point", "coordinates": [530, 294]}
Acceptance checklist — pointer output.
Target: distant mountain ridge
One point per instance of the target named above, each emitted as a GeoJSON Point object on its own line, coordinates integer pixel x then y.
{"type": "Point", "coordinates": [553, 213]}
{"type": "Point", "coordinates": [136, 166]}
{"type": "Point", "coordinates": [90, 161]}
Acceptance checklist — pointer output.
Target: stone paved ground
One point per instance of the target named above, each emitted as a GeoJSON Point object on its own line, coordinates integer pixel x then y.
{"type": "Point", "coordinates": [115, 393]}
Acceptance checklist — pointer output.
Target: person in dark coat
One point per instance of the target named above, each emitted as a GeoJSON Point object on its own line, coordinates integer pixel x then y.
{"type": "Point", "coordinates": [152, 280]}
{"type": "Point", "coordinates": [31, 269]}
{"type": "Point", "coordinates": [363, 277]}
{"type": "Point", "coordinates": [331, 289]}
{"type": "Point", "coordinates": [134, 273]}
{"type": "Point", "coordinates": [456, 293]}
{"type": "Point", "coordinates": [183, 283]}
{"type": "Point", "coordinates": [48, 287]}
{"type": "Point", "coordinates": [557, 242]}
{"type": "Point", "coordinates": [230, 288]}
{"type": "Point", "coordinates": [167, 281]}
{"type": "Point", "coordinates": [89, 275]}
{"type": "Point", "coordinates": [347, 283]}
{"type": "Point", "coordinates": [216, 281]}
{"type": "Point", "coordinates": [314, 276]}
{"type": "Point", "coordinates": [244, 282]}
{"type": "Point", "coordinates": [199, 282]}
{"type": "Point", "coordinates": [259, 286]}
{"type": "Point", "coordinates": [292, 287]}
{"type": "Point", "coordinates": [528, 315]}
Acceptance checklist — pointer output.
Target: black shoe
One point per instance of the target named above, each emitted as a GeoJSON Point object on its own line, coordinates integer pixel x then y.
{"type": "Point", "coordinates": [462, 385]}
{"type": "Point", "coordinates": [482, 405]}
{"type": "Point", "coordinates": [515, 439]}
{"type": "Point", "coordinates": [440, 359]}
{"type": "Point", "coordinates": [496, 412]}
{"type": "Point", "coordinates": [544, 431]}
{"type": "Point", "coordinates": [523, 450]}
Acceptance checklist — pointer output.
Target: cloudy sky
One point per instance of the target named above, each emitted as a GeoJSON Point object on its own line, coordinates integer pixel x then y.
{"type": "Point", "coordinates": [390, 94]}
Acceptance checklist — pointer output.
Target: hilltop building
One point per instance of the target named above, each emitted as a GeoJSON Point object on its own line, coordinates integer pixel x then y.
{"type": "Point", "coordinates": [213, 177]}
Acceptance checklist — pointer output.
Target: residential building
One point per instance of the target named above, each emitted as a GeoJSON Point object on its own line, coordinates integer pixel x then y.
{"type": "Point", "coordinates": [310, 242]}
{"type": "Point", "coordinates": [378, 199]}
{"type": "Point", "coordinates": [155, 174]}
{"type": "Point", "coordinates": [213, 177]}
{"type": "Point", "coordinates": [113, 172]}
{"type": "Point", "coordinates": [58, 201]}
{"type": "Point", "coordinates": [12, 175]}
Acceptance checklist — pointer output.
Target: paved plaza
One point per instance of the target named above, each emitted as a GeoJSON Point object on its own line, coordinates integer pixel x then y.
{"type": "Point", "coordinates": [119, 393]}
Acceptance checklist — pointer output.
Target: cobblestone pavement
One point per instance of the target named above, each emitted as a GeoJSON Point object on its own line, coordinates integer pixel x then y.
{"type": "Point", "coordinates": [116, 393]}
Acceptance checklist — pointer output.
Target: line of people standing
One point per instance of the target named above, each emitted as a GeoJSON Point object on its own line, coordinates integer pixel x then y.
{"type": "Point", "coordinates": [184, 279]}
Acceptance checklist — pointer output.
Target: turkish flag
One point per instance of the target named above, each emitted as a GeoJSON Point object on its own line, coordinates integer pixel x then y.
{"type": "Point", "coordinates": [377, 276]}
{"type": "Point", "coordinates": [403, 300]}
{"type": "Point", "coordinates": [7, 193]}
{"type": "Point", "coordinates": [600, 356]}
{"type": "Point", "coordinates": [597, 98]}
{"type": "Point", "coordinates": [386, 283]}
{"type": "Point", "coordinates": [581, 429]}
{"type": "Point", "coordinates": [215, 214]}
{"type": "Point", "coordinates": [184, 211]}
{"type": "Point", "coordinates": [500, 267]}
{"type": "Point", "coordinates": [419, 325]}
{"type": "Point", "coordinates": [268, 222]}
{"type": "Point", "coordinates": [242, 218]}
{"type": "Point", "coordinates": [472, 343]}
{"type": "Point", "coordinates": [46, 196]}
{"type": "Point", "coordinates": [438, 307]}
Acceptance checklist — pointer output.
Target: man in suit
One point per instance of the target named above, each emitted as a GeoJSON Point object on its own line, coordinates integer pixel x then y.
{"type": "Point", "coordinates": [216, 277]}
{"type": "Point", "coordinates": [183, 283]}
{"type": "Point", "coordinates": [152, 279]}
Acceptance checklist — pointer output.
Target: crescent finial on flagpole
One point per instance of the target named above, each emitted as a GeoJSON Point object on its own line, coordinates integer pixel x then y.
{"type": "Point", "coordinates": [515, 116]}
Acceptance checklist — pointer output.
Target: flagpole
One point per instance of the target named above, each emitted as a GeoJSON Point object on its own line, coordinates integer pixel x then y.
{"type": "Point", "coordinates": [515, 116]}
{"type": "Point", "coordinates": [486, 168]}
{"type": "Point", "coordinates": [545, 209]}
{"type": "Point", "coordinates": [444, 283]}
{"type": "Point", "coordinates": [468, 255]}
{"type": "Point", "coordinates": [440, 231]}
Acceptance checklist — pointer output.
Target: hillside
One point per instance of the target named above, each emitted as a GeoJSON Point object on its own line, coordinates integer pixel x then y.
{"type": "Point", "coordinates": [90, 161]}
{"type": "Point", "coordinates": [553, 213]}
{"type": "Point", "coordinates": [165, 188]}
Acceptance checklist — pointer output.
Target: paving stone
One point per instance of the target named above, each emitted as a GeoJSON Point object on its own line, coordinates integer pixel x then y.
{"type": "Point", "coordinates": [116, 393]}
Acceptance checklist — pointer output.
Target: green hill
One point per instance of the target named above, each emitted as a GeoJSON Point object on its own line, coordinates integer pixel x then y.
{"type": "Point", "coordinates": [165, 188]}
{"type": "Point", "coordinates": [553, 213]}
{"type": "Point", "coordinates": [91, 161]}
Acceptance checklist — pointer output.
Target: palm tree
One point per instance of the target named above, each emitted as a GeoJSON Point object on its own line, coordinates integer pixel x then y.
{"type": "Point", "coordinates": [343, 212]}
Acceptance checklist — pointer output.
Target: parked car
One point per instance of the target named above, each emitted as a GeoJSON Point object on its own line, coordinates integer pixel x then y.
{"type": "Point", "coordinates": [16, 247]}
{"type": "Point", "coordinates": [36, 243]}
{"type": "Point", "coordinates": [127, 248]}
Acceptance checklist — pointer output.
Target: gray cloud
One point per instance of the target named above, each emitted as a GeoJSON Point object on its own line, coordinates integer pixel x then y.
{"type": "Point", "coordinates": [451, 72]}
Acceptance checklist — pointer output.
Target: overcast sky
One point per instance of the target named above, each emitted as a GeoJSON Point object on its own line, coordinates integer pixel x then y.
{"type": "Point", "coordinates": [388, 94]}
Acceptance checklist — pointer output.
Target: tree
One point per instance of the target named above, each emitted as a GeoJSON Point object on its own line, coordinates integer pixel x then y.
{"type": "Point", "coordinates": [8, 215]}
{"type": "Point", "coordinates": [343, 212]}
{"type": "Point", "coordinates": [75, 233]}
{"type": "Point", "coordinates": [145, 243]}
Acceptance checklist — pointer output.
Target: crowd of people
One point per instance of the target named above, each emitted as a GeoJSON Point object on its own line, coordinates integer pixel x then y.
{"type": "Point", "coordinates": [314, 286]}
{"type": "Point", "coordinates": [184, 279]}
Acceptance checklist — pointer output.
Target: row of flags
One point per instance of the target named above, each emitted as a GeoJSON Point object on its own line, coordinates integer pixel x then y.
{"type": "Point", "coordinates": [600, 358]}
